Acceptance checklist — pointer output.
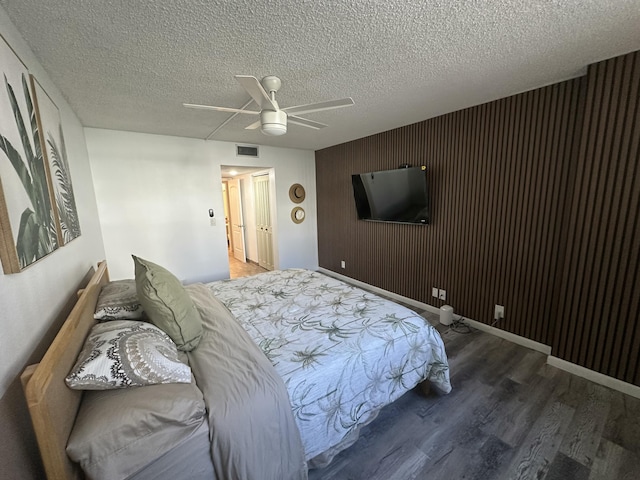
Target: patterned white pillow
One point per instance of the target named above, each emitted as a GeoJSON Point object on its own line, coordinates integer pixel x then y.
{"type": "Point", "coordinates": [126, 353]}
{"type": "Point", "coordinates": [118, 300]}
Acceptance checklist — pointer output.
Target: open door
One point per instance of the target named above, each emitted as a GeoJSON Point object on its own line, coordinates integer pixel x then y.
{"type": "Point", "coordinates": [236, 221]}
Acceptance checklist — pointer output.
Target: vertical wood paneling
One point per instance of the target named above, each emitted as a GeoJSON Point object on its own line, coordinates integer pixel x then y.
{"type": "Point", "coordinates": [489, 170]}
{"type": "Point", "coordinates": [562, 329]}
{"type": "Point", "coordinates": [534, 206]}
{"type": "Point", "coordinates": [599, 313]}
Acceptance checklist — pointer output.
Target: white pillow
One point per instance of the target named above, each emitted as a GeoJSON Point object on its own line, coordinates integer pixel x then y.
{"type": "Point", "coordinates": [126, 353]}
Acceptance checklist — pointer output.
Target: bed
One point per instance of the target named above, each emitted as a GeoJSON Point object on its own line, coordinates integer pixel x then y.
{"type": "Point", "coordinates": [335, 353]}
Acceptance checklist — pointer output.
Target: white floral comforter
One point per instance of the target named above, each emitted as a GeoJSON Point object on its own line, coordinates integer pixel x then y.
{"type": "Point", "coordinates": [342, 352]}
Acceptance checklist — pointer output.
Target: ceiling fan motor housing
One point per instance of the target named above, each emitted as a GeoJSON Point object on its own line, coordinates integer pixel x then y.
{"type": "Point", "coordinates": [273, 122]}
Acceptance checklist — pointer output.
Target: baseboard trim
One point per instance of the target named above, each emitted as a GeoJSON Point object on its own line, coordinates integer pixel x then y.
{"type": "Point", "coordinates": [386, 293]}
{"type": "Point", "coordinates": [595, 377]}
{"type": "Point", "coordinates": [511, 337]}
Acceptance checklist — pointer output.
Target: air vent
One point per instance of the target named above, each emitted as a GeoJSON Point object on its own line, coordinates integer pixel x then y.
{"type": "Point", "coordinates": [246, 151]}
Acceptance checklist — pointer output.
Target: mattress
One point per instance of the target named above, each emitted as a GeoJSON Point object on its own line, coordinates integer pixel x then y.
{"type": "Point", "coordinates": [342, 352]}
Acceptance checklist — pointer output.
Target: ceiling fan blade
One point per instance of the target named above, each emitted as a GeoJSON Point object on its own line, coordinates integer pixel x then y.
{"type": "Point", "coordinates": [304, 122]}
{"type": "Point", "coordinates": [318, 107]}
{"type": "Point", "coordinates": [254, 88]}
{"type": "Point", "coordinates": [219, 109]}
{"type": "Point", "coordinates": [253, 126]}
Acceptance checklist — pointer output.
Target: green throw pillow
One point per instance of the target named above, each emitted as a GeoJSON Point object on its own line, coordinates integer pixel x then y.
{"type": "Point", "coordinates": [167, 304]}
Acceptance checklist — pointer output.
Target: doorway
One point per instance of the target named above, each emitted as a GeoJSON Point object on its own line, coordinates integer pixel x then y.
{"type": "Point", "coordinates": [249, 210]}
{"type": "Point", "coordinates": [264, 227]}
{"type": "Point", "coordinates": [236, 223]}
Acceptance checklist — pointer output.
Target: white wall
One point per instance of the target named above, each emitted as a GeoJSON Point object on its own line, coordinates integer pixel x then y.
{"type": "Point", "coordinates": [154, 193]}
{"type": "Point", "coordinates": [31, 301]}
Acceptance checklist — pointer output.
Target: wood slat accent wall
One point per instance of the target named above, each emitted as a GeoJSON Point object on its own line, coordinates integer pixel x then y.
{"type": "Point", "coordinates": [515, 188]}
{"type": "Point", "coordinates": [598, 316]}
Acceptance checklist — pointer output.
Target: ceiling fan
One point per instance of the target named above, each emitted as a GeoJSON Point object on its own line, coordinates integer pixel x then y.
{"type": "Point", "coordinates": [273, 119]}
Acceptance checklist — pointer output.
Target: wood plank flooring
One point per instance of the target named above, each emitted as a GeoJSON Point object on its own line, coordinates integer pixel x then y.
{"type": "Point", "coordinates": [239, 269]}
{"type": "Point", "coordinates": [509, 416]}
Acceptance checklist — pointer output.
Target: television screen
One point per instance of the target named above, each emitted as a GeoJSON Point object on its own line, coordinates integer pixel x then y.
{"type": "Point", "coordinates": [399, 196]}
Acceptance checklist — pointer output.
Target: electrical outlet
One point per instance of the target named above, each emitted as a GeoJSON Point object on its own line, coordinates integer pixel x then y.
{"type": "Point", "coordinates": [343, 264]}
{"type": "Point", "coordinates": [442, 294]}
{"type": "Point", "coordinates": [434, 292]}
{"type": "Point", "coordinates": [498, 313]}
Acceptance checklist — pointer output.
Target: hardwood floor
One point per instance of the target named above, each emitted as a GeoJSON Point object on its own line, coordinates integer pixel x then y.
{"type": "Point", "coordinates": [239, 269]}
{"type": "Point", "coordinates": [509, 416]}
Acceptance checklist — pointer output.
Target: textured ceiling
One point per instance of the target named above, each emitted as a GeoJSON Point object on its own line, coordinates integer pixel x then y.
{"type": "Point", "coordinates": [130, 64]}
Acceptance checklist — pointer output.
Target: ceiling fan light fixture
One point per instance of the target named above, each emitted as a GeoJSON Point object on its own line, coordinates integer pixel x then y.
{"type": "Point", "coordinates": [274, 123]}
{"type": "Point", "coordinates": [273, 120]}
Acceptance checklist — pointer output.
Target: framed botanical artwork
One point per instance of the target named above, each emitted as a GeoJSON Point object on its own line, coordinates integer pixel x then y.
{"type": "Point", "coordinates": [27, 221]}
{"type": "Point", "coordinates": [55, 157]}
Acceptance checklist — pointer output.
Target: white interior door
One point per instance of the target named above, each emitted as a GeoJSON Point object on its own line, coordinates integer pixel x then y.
{"type": "Point", "coordinates": [237, 225]}
{"type": "Point", "coordinates": [264, 229]}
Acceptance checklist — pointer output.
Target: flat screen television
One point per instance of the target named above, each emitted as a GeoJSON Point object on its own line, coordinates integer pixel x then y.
{"type": "Point", "coordinates": [399, 196]}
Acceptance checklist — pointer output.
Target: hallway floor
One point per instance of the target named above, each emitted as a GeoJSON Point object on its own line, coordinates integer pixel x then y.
{"type": "Point", "coordinates": [239, 269]}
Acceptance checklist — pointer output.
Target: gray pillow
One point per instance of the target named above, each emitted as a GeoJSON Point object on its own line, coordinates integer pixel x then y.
{"type": "Point", "coordinates": [118, 432]}
{"type": "Point", "coordinates": [118, 300]}
{"type": "Point", "coordinates": [126, 353]}
{"type": "Point", "coordinates": [167, 304]}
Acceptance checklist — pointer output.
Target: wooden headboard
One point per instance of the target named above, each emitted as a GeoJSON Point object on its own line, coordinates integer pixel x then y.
{"type": "Point", "coordinates": [52, 405]}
